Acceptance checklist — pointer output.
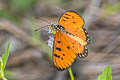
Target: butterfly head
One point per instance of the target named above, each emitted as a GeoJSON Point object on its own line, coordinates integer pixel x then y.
{"type": "Point", "coordinates": [52, 28]}
{"type": "Point", "coordinates": [52, 32]}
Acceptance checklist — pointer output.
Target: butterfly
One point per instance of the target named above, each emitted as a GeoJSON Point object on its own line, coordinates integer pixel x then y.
{"type": "Point", "coordinates": [70, 40]}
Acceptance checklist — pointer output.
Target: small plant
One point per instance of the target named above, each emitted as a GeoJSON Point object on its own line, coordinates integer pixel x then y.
{"type": "Point", "coordinates": [3, 61]}
{"type": "Point", "coordinates": [106, 75]}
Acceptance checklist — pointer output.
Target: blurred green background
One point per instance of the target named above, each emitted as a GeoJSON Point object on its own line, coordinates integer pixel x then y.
{"type": "Point", "coordinates": [30, 57]}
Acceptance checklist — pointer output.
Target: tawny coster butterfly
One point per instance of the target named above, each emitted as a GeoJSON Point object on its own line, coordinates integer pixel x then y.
{"type": "Point", "coordinates": [70, 40]}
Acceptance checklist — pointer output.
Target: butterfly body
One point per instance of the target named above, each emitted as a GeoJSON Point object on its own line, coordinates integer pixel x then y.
{"type": "Point", "coordinates": [70, 40]}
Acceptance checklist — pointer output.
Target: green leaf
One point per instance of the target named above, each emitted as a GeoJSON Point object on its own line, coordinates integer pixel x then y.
{"type": "Point", "coordinates": [3, 62]}
{"type": "Point", "coordinates": [5, 57]}
{"type": "Point", "coordinates": [1, 67]}
{"type": "Point", "coordinates": [106, 75]}
{"type": "Point", "coordinates": [0, 62]}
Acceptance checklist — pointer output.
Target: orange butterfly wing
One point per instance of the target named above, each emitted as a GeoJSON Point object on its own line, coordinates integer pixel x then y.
{"type": "Point", "coordinates": [73, 23]}
{"type": "Point", "coordinates": [63, 54]}
{"type": "Point", "coordinates": [66, 46]}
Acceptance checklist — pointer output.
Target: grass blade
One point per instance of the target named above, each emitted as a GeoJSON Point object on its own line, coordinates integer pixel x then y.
{"type": "Point", "coordinates": [5, 57]}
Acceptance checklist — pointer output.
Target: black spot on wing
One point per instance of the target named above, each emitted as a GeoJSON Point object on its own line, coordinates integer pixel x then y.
{"type": "Point", "coordinates": [63, 20]}
{"type": "Point", "coordinates": [68, 47]}
{"type": "Point", "coordinates": [58, 41]}
{"type": "Point", "coordinates": [56, 55]}
{"type": "Point", "coordinates": [59, 49]}
{"type": "Point", "coordinates": [62, 58]}
{"type": "Point", "coordinates": [67, 14]}
{"type": "Point", "coordinates": [74, 22]}
{"type": "Point", "coordinates": [66, 17]}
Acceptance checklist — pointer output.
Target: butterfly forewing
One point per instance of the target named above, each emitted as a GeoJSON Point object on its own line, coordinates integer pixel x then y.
{"type": "Point", "coordinates": [73, 23]}
{"type": "Point", "coordinates": [71, 18]}
{"type": "Point", "coordinates": [63, 56]}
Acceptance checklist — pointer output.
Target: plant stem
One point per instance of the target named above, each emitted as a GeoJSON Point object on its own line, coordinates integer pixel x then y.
{"type": "Point", "coordinates": [71, 74]}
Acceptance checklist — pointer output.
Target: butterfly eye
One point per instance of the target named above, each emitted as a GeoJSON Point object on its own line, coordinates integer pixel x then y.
{"type": "Point", "coordinates": [50, 26]}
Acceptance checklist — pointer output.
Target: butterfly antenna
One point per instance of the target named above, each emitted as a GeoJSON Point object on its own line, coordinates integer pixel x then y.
{"type": "Point", "coordinates": [43, 26]}
{"type": "Point", "coordinates": [40, 28]}
{"type": "Point", "coordinates": [45, 21]}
